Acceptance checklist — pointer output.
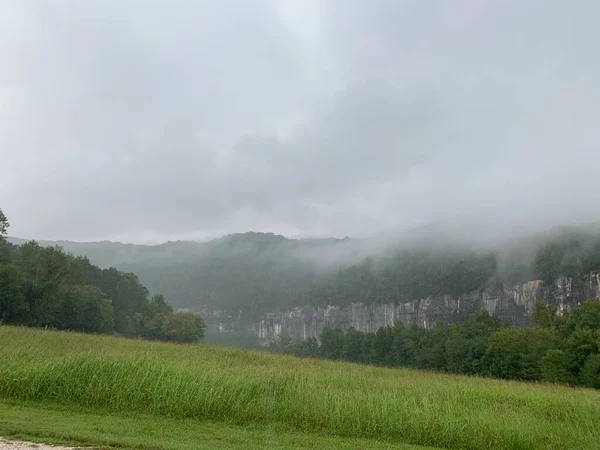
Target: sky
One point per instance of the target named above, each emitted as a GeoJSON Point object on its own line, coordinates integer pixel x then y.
{"type": "Point", "coordinates": [146, 120]}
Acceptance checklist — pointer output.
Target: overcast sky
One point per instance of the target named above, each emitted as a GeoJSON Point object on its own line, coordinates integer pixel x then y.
{"type": "Point", "coordinates": [143, 121]}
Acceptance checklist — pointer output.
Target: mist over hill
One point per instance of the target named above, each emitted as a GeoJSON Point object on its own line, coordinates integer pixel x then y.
{"type": "Point", "coordinates": [240, 277]}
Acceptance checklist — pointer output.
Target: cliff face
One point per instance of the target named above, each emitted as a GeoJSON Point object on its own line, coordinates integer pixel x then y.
{"type": "Point", "coordinates": [512, 303]}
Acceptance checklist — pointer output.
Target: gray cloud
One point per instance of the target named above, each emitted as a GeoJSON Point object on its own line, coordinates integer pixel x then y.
{"type": "Point", "coordinates": [140, 120]}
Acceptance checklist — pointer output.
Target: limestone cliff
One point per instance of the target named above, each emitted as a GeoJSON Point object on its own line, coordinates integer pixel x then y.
{"type": "Point", "coordinates": [512, 303]}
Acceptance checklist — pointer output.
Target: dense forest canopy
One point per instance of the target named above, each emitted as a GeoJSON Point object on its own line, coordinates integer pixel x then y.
{"type": "Point", "coordinates": [46, 287]}
{"type": "Point", "coordinates": [240, 277]}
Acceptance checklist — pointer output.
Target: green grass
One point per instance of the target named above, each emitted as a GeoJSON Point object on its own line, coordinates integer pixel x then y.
{"type": "Point", "coordinates": [241, 392]}
{"type": "Point", "coordinates": [142, 431]}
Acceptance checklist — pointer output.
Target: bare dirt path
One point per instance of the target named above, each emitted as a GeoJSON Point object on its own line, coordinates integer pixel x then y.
{"type": "Point", "coordinates": [20, 445]}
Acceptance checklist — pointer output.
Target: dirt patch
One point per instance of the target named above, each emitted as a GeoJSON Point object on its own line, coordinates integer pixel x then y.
{"type": "Point", "coordinates": [20, 445]}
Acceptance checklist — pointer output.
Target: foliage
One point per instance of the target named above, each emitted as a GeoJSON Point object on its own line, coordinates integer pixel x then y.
{"type": "Point", "coordinates": [184, 327]}
{"type": "Point", "coordinates": [543, 315]}
{"type": "Point", "coordinates": [199, 384]}
{"type": "Point", "coordinates": [45, 287]}
{"type": "Point", "coordinates": [554, 367]}
{"type": "Point", "coordinates": [516, 352]}
{"type": "Point", "coordinates": [591, 371]}
{"type": "Point", "coordinates": [4, 224]}
{"type": "Point", "coordinates": [12, 300]}
{"type": "Point", "coordinates": [85, 308]}
{"type": "Point", "coordinates": [466, 344]}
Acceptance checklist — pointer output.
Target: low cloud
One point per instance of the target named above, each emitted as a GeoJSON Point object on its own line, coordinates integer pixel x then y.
{"type": "Point", "coordinates": [148, 121]}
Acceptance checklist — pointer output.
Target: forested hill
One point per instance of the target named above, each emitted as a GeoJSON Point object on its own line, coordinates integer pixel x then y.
{"type": "Point", "coordinates": [243, 276]}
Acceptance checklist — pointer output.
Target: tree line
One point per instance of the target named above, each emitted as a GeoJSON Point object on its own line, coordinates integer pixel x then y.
{"type": "Point", "coordinates": [45, 287]}
{"type": "Point", "coordinates": [557, 348]}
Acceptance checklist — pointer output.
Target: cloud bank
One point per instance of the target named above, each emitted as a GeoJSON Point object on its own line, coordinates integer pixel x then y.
{"type": "Point", "coordinates": [147, 121]}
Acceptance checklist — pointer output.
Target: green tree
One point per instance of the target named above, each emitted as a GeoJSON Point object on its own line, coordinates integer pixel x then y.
{"type": "Point", "coordinates": [466, 343]}
{"type": "Point", "coordinates": [332, 343]}
{"type": "Point", "coordinates": [130, 297]}
{"type": "Point", "coordinates": [86, 308]}
{"type": "Point", "coordinates": [4, 224]}
{"type": "Point", "coordinates": [45, 270]}
{"type": "Point", "coordinates": [579, 346]}
{"type": "Point", "coordinates": [430, 349]}
{"type": "Point", "coordinates": [382, 344]}
{"type": "Point", "coordinates": [12, 301]}
{"type": "Point", "coordinates": [517, 352]}
{"type": "Point", "coordinates": [184, 327]}
{"type": "Point", "coordinates": [554, 367]}
{"type": "Point", "coordinates": [404, 346]}
{"type": "Point", "coordinates": [586, 316]}
{"type": "Point", "coordinates": [591, 372]}
{"type": "Point", "coordinates": [155, 316]}
{"type": "Point", "coordinates": [543, 315]}
{"type": "Point", "coordinates": [353, 342]}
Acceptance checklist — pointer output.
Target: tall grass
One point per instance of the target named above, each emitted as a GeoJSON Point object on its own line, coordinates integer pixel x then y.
{"type": "Point", "coordinates": [242, 387]}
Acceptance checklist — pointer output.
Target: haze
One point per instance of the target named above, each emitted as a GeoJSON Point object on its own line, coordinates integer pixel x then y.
{"type": "Point", "coordinates": [146, 121]}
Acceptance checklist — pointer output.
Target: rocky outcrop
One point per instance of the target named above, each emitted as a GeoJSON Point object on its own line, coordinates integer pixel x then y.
{"type": "Point", "coordinates": [512, 303]}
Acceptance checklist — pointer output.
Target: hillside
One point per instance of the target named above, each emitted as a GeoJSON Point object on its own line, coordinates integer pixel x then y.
{"type": "Point", "coordinates": [99, 390]}
{"type": "Point", "coordinates": [239, 278]}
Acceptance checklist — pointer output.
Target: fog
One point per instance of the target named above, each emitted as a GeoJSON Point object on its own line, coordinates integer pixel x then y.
{"type": "Point", "coordinates": [152, 121]}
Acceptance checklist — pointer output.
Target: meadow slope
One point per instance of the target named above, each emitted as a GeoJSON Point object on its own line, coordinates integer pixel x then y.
{"type": "Point", "coordinates": [244, 390]}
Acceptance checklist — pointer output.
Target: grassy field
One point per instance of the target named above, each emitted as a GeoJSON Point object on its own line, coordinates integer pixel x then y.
{"type": "Point", "coordinates": [102, 390]}
{"type": "Point", "coordinates": [62, 425]}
